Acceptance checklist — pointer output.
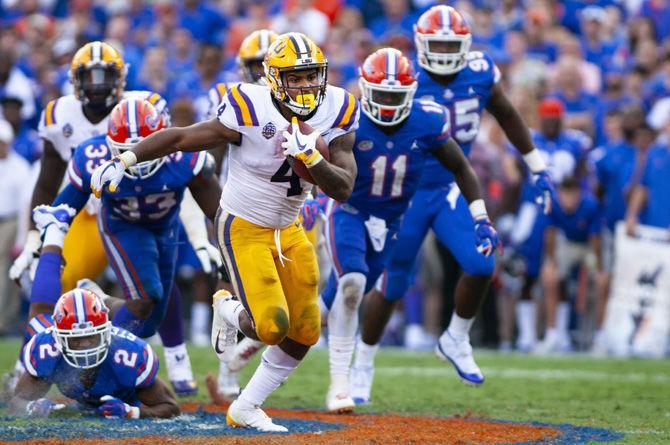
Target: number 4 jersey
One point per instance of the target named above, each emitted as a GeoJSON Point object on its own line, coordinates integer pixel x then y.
{"type": "Point", "coordinates": [465, 97]}
{"type": "Point", "coordinates": [261, 186]}
{"type": "Point", "coordinates": [152, 201]}
{"type": "Point", "coordinates": [130, 364]}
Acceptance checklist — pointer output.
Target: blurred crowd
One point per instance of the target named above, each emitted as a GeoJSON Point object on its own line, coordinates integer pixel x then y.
{"type": "Point", "coordinates": [598, 69]}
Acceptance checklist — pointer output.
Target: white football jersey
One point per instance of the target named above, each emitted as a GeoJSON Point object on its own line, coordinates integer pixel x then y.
{"type": "Point", "coordinates": [261, 186]}
{"type": "Point", "coordinates": [64, 124]}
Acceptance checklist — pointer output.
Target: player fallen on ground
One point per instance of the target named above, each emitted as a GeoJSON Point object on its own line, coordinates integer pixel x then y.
{"type": "Point", "coordinates": [106, 369]}
{"type": "Point", "coordinates": [271, 262]}
{"type": "Point", "coordinates": [98, 76]}
{"type": "Point", "coordinates": [396, 135]}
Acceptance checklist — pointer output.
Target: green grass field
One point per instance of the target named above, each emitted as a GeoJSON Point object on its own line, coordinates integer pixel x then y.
{"type": "Point", "coordinates": [629, 396]}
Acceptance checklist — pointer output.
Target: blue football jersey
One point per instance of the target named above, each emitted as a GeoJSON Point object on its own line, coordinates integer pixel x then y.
{"type": "Point", "coordinates": [130, 364]}
{"type": "Point", "coordinates": [579, 225]}
{"type": "Point", "coordinates": [152, 201]}
{"type": "Point", "coordinates": [562, 156]}
{"type": "Point", "coordinates": [390, 165]}
{"type": "Point", "coordinates": [465, 97]}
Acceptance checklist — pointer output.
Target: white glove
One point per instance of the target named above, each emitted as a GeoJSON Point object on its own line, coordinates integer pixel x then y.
{"type": "Point", "coordinates": [111, 172]}
{"type": "Point", "coordinates": [195, 226]}
{"type": "Point", "coordinates": [60, 216]}
{"type": "Point", "coordinates": [42, 407]}
{"type": "Point", "coordinates": [208, 255]}
{"type": "Point", "coordinates": [27, 260]}
{"type": "Point", "coordinates": [301, 146]}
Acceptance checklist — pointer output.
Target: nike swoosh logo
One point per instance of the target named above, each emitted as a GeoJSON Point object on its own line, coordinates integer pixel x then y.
{"type": "Point", "coordinates": [300, 146]}
{"type": "Point", "coordinates": [216, 344]}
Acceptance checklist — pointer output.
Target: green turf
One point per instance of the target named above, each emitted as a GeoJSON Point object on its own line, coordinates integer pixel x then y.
{"type": "Point", "coordinates": [629, 396]}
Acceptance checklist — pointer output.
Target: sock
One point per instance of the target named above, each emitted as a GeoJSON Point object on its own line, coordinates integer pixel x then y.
{"type": "Point", "coordinates": [340, 350]}
{"type": "Point", "coordinates": [343, 322]}
{"type": "Point", "coordinates": [274, 369]}
{"type": "Point", "coordinates": [53, 236]}
{"type": "Point", "coordinates": [413, 305]}
{"type": "Point", "coordinates": [563, 318]}
{"type": "Point", "coordinates": [525, 320]}
{"type": "Point", "coordinates": [459, 327]}
{"type": "Point", "coordinates": [46, 287]}
{"type": "Point", "coordinates": [171, 328]}
{"type": "Point", "coordinates": [365, 354]}
{"type": "Point", "coordinates": [199, 319]}
{"type": "Point", "coordinates": [126, 320]}
{"type": "Point", "coordinates": [178, 364]}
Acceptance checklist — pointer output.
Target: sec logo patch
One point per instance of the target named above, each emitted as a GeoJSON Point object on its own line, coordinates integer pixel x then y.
{"type": "Point", "coordinates": [269, 130]}
{"type": "Point", "coordinates": [67, 130]}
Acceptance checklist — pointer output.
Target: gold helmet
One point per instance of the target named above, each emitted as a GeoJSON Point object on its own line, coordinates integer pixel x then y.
{"type": "Point", "coordinates": [251, 55]}
{"type": "Point", "coordinates": [296, 52]}
{"type": "Point", "coordinates": [98, 75]}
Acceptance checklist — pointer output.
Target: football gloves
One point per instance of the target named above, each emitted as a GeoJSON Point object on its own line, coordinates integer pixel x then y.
{"type": "Point", "coordinates": [109, 172]}
{"type": "Point", "coordinates": [42, 407]}
{"type": "Point", "coordinates": [117, 408]}
{"type": "Point", "coordinates": [546, 192]}
{"type": "Point", "coordinates": [486, 237]}
{"type": "Point", "coordinates": [309, 212]}
{"type": "Point", "coordinates": [301, 146]}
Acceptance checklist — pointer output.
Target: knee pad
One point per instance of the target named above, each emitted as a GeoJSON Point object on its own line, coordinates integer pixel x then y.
{"type": "Point", "coordinates": [272, 325]}
{"type": "Point", "coordinates": [351, 288]}
{"type": "Point", "coordinates": [306, 327]}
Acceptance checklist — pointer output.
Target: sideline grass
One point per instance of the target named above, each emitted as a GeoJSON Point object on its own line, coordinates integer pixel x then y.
{"type": "Point", "coordinates": [629, 396]}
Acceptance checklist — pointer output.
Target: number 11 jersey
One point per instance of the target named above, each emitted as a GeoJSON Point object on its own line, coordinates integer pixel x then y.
{"type": "Point", "coordinates": [261, 186]}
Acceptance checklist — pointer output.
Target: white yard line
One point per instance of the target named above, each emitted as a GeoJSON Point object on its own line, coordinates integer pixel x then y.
{"type": "Point", "coordinates": [529, 374]}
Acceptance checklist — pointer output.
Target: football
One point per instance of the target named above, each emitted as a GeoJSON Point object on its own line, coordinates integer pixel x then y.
{"type": "Point", "coordinates": [298, 167]}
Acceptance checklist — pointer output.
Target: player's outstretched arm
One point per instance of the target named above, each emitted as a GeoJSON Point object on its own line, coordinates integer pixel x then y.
{"type": "Point", "coordinates": [157, 401]}
{"type": "Point", "coordinates": [336, 178]}
{"type": "Point", "coordinates": [452, 157]}
{"type": "Point", "coordinates": [28, 389]}
{"type": "Point", "coordinates": [196, 137]}
{"type": "Point", "coordinates": [509, 119]}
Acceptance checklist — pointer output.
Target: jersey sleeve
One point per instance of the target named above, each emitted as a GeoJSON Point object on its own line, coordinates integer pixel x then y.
{"type": "Point", "coordinates": [440, 124]}
{"type": "Point", "coordinates": [347, 117]}
{"type": "Point", "coordinates": [236, 110]}
{"type": "Point", "coordinates": [216, 95]}
{"type": "Point", "coordinates": [78, 167]}
{"type": "Point", "coordinates": [147, 366]}
{"type": "Point", "coordinates": [47, 128]}
{"type": "Point", "coordinates": [40, 355]}
{"type": "Point", "coordinates": [482, 64]}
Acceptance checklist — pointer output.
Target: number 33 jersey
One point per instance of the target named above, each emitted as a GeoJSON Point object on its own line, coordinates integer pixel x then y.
{"type": "Point", "coordinates": [152, 201]}
{"type": "Point", "coordinates": [130, 364]}
{"type": "Point", "coordinates": [261, 186]}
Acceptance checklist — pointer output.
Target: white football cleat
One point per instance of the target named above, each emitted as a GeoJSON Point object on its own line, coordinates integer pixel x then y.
{"type": "Point", "coordinates": [87, 283]}
{"type": "Point", "coordinates": [338, 399]}
{"type": "Point", "coordinates": [224, 334]}
{"type": "Point", "coordinates": [228, 382]}
{"type": "Point", "coordinates": [180, 374]}
{"type": "Point", "coordinates": [361, 383]}
{"type": "Point", "coordinates": [244, 350]}
{"type": "Point", "coordinates": [254, 417]}
{"type": "Point", "coordinates": [459, 354]}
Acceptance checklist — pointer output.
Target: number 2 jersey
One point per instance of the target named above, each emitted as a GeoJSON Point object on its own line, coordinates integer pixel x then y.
{"type": "Point", "coordinates": [261, 187]}
{"type": "Point", "coordinates": [152, 201]}
{"type": "Point", "coordinates": [130, 364]}
{"type": "Point", "coordinates": [465, 97]}
{"type": "Point", "coordinates": [390, 165]}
